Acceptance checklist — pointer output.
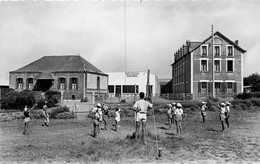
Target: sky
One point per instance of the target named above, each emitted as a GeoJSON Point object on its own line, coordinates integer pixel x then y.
{"type": "Point", "coordinates": [154, 31]}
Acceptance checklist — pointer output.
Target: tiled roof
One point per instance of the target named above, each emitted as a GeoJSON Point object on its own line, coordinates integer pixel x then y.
{"type": "Point", "coordinates": [68, 63]}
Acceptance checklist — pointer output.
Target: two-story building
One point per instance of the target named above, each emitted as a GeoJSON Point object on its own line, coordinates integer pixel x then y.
{"type": "Point", "coordinates": [192, 69]}
{"type": "Point", "coordinates": [72, 75]}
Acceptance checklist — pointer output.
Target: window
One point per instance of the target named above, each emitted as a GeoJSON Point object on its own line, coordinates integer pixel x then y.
{"type": "Point", "coordinates": [111, 88]}
{"type": "Point", "coordinates": [230, 51]}
{"type": "Point", "coordinates": [30, 83]}
{"type": "Point", "coordinates": [74, 83]}
{"type": "Point", "coordinates": [19, 83]}
{"type": "Point", "coordinates": [204, 50]}
{"type": "Point", "coordinates": [229, 87]}
{"type": "Point", "coordinates": [62, 83]}
{"type": "Point", "coordinates": [204, 65]}
{"type": "Point", "coordinates": [217, 50]}
{"type": "Point", "coordinates": [98, 82]}
{"type": "Point", "coordinates": [230, 65]}
{"type": "Point", "coordinates": [130, 89]}
{"type": "Point", "coordinates": [217, 65]}
{"type": "Point", "coordinates": [217, 87]}
{"type": "Point", "coordinates": [204, 87]}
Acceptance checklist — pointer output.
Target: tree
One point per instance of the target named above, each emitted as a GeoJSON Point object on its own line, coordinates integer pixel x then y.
{"type": "Point", "coordinates": [254, 81]}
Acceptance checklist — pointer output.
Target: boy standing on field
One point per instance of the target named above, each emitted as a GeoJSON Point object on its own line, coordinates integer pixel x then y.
{"type": "Point", "coordinates": [46, 115]}
{"type": "Point", "coordinates": [169, 115]}
{"type": "Point", "coordinates": [27, 118]}
{"type": "Point", "coordinates": [227, 112]}
{"type": "Point", "coordinates": [222, 116]}
{"type": "Point", "coordinates": [203, 111]}
{"type": "Point", "coordinates": [96, 117]}
{"type": "Point", "coordinates": [178, 118]}
{"type": "Point", "coordinates": [141, 107]}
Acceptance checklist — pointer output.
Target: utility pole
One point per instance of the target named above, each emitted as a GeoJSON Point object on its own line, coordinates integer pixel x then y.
{"type": "Point", "coordinates": [84, 82]}
{"type": "Point", "coordinates": [213, 63]}
{"type": "Point", "coordinates": [148, 85]}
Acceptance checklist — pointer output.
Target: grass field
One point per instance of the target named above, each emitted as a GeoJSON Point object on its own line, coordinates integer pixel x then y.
{"type": "Point", "coordinates": [68, 141]}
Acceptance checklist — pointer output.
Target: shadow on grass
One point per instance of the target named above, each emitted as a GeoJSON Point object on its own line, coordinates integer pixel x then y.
{"type": "Point", "coordinates": [171, 134]}
{"type": "Point", "coordinates": [161, 127]}
{"type": "Point", "coordinates": [213, 130]}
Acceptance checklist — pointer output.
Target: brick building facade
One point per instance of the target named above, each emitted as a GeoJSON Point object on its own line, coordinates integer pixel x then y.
{"type": "Point", "coordinates": [70, 74]}
{"type": "Point", "coordinates": [192, 68]}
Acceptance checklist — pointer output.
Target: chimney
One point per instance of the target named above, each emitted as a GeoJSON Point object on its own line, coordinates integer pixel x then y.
{"type": "Point", "coordinates": [236, 42]}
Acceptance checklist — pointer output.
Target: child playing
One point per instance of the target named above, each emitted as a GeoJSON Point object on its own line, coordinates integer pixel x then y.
{"type": "Point", "coordinates": [117, 117]}
{"type": "Point", "coordinates": [227, 113]}
{"type": "Point", "coordinates": [46, 115]}
{"type": "Point", "coordinates": [105, 113]}
{"type": "Point", "coordinates": [173, 111]}
{"type": "Point", "coordinates": [203, 111]}
{"type": "Point", "coordinates": [222, 116]}
{"type": "Point", "coordinates": [95, 115]}
{"type": "Point", "coordinates": [169, 115]}
{"type": "Point", "coordinates": [27, 118]}
{"type": "Point", "coordinates": [178, 117]}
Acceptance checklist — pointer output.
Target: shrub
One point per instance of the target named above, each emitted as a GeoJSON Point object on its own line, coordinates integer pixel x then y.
{"type": "Point", "coordinates": [245, 95]}
{"type": "Point", "coordinates": [84, 100]}
{"type": "Point", "coordinates": [243, 106]}
{"type": "Point", "coordinates": [64, 115]}
{"type": "Point", "coordinates": [248, 103]}
{"type": "Point", "coordinates": [255, 101]}
{"type": "Point", "coordinates": [38, 114]}
{"type": "Point", "coordinates": [54, 112]}
{"type": "Point", "coordinates": [12, 99]}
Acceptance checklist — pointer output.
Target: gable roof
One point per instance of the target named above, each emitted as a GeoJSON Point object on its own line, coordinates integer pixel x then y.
{"type": "Point", "coordinates": [223, 37]}
{"type": "Point", "coordinates": [67, 63]}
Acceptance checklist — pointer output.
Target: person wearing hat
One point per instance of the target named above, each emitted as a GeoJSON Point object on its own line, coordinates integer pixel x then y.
{"type": "Point", "coordinates": [173, 111]}
{"type": "Point", "coordinates": [169, 115]}
{"type": "Point", "coordinates": [227, 112]}
{"type": "Point", "coordinates": [96, 117]}
{"type": "Point", "coordinates": [27, 118]}
{"type": "Point", "coordinates": [46, 115]}
{"type": "Point", "coordinates": [105, 113]}
{"type": "Point", "coordinates": [178, 117]}
{"type": "Point", "coordinates": [222, 115]}
{"type": "Point", "coordinates": [203, 111]}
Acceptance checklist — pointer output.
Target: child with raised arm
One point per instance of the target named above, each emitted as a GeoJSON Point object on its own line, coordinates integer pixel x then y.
{"type": "Point", "coordinates": [27, 118]}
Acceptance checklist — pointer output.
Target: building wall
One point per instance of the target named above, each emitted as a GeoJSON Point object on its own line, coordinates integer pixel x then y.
{"type": "Point", "coordinates": [91, 83]}
{"type": "Point", "coordinates": [187, 75]}
{"type": "Point", "coordinates": [223, 76]}
{"type": "Point", "coordinates": [133, 78]}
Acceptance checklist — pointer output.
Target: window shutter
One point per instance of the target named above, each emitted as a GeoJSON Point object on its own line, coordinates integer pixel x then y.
{"type": "Point", "coordinates": [58, 83]}
{"type": "Point", "coordinates": [235, 87]}
{"type": "Point", "coordinates": [210, 87]}
{"type": "Point", "coordinates": [199, 87]}
{"type": "Point", "coordinates": [224, 87]}
{"type": "Point", "coordinates": [70, 83]}
{"type": "Point", "coordinates": [16, 83]}
{"type": "Point", "coordinates": [77, 83]}
{"type": "Point", "coordinates": [65, 84]}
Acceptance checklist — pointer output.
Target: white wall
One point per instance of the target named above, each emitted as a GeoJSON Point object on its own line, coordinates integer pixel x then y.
{"type": "Point", "coordinates": [92, 81]}
{"type": "Point", "coordinates": [120, 78]}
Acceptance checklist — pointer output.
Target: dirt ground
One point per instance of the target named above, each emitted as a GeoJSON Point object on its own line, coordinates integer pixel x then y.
{"type": "Point", "coordinates": [71, 141]}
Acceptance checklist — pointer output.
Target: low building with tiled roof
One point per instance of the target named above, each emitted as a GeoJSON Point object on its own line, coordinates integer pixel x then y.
{"type": "Point", "coordinates": [70, 74]}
